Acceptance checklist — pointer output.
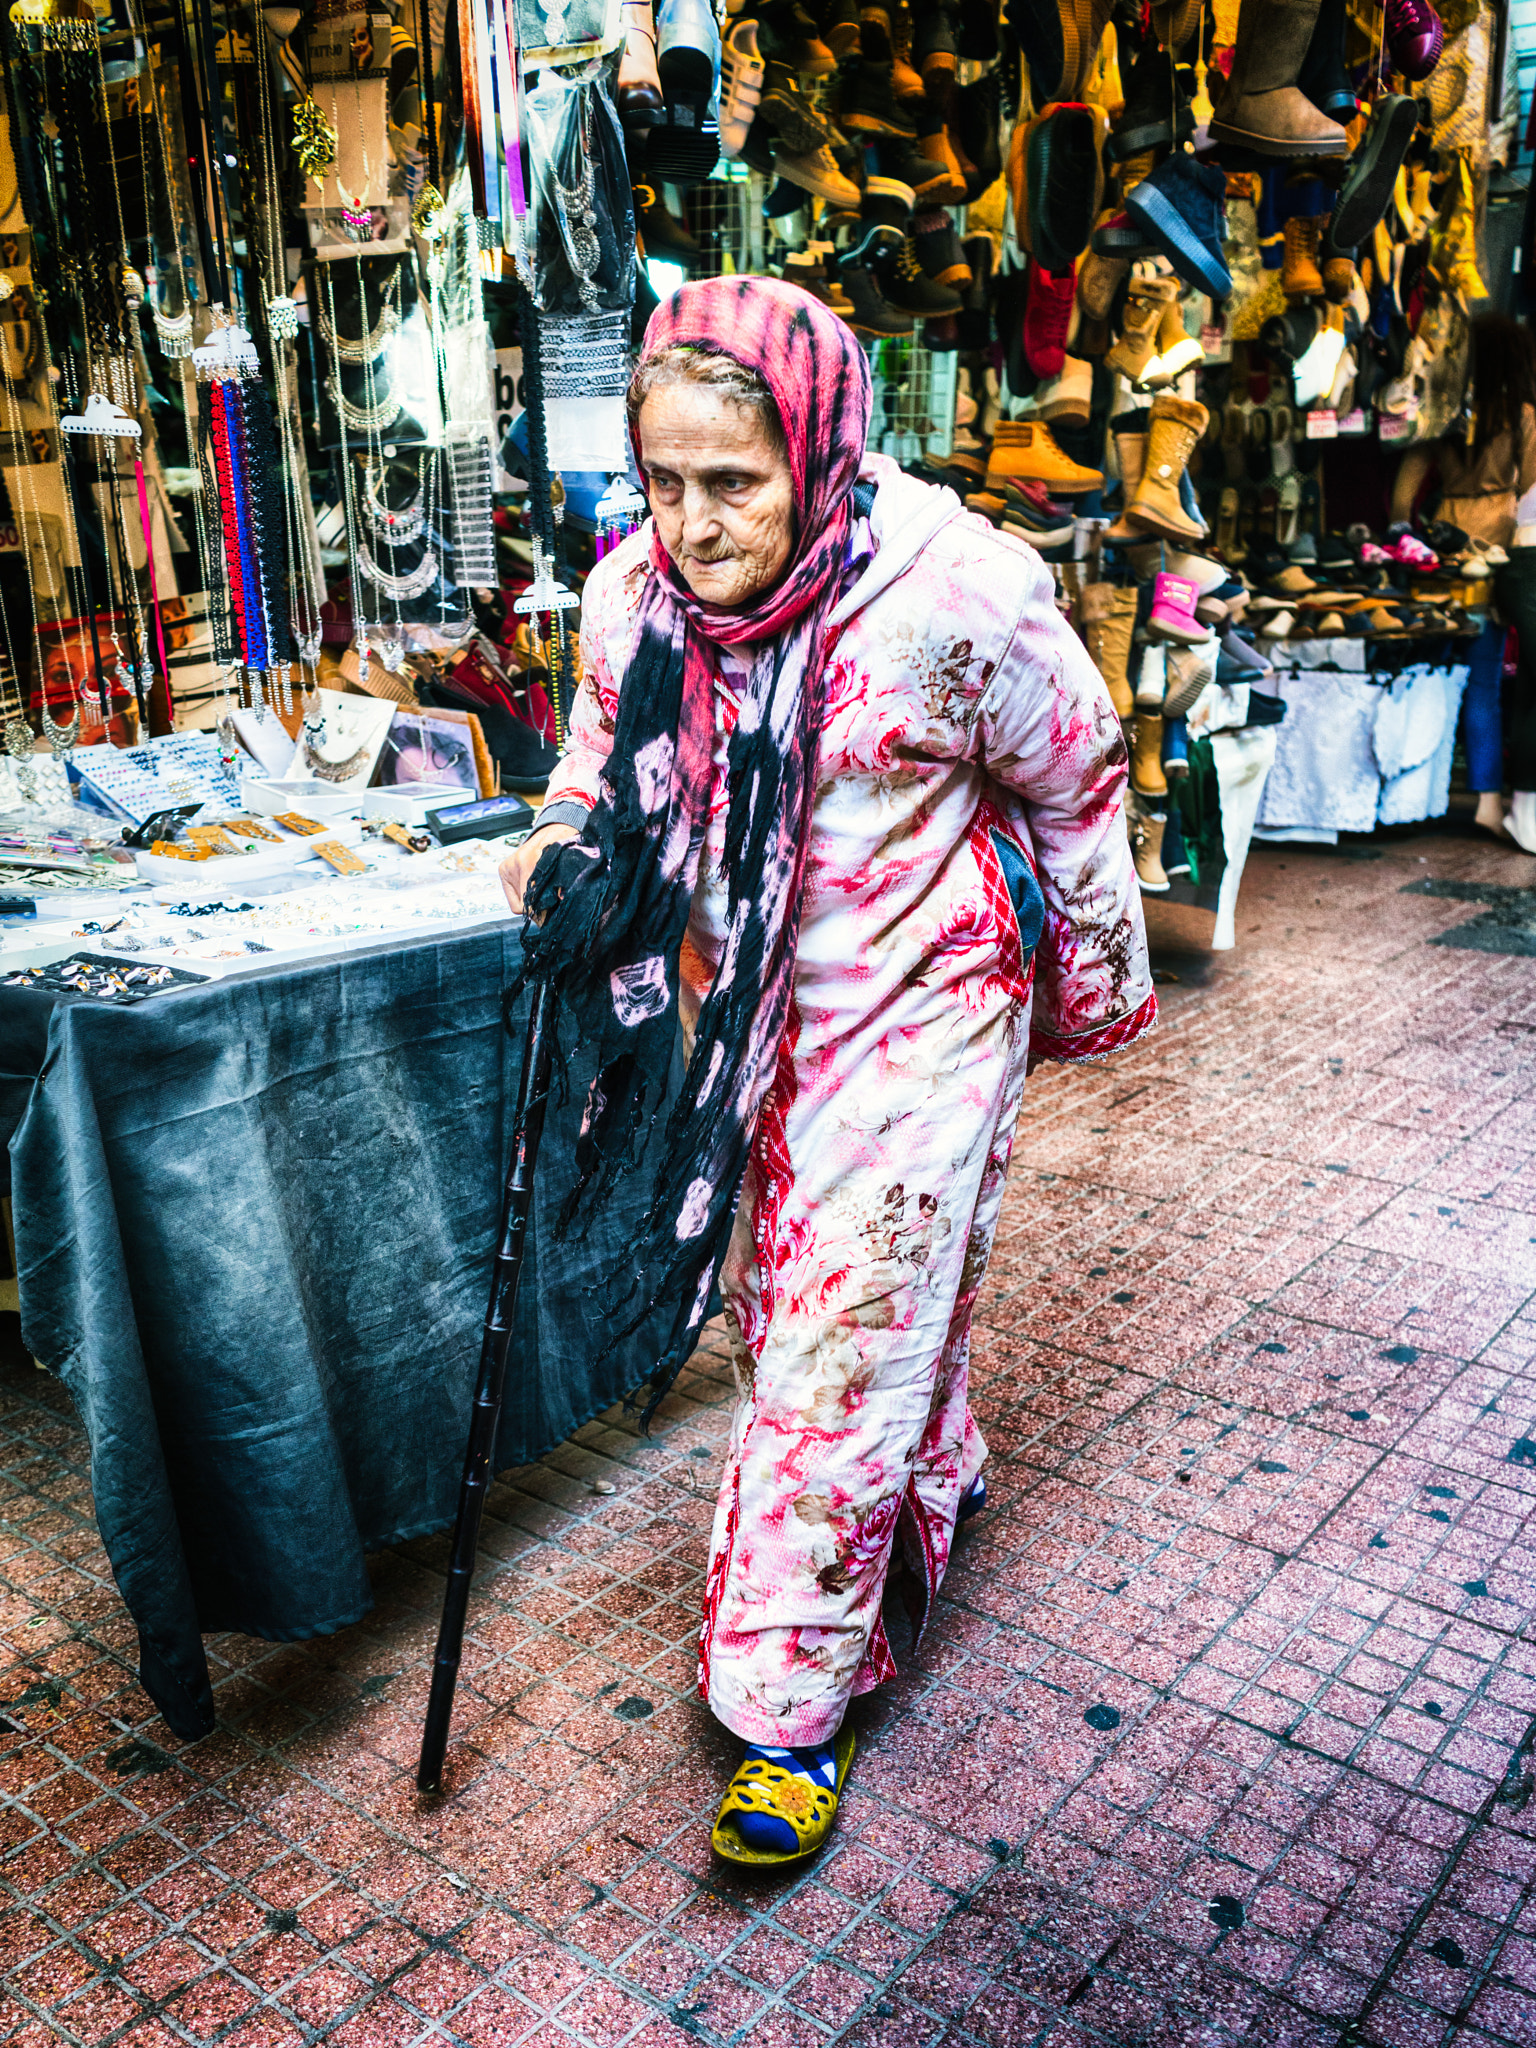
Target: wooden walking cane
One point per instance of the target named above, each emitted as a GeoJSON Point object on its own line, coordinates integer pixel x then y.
{"type": "Point", "coordinates": [506, 1272]}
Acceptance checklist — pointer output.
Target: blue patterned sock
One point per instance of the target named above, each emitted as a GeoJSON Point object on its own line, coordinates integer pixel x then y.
{"type": "Point", "coordinates": [765, 1830]}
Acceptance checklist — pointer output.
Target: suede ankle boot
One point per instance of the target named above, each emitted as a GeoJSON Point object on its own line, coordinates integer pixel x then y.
{"type": "Point", "coordinates": [1146, 830]}
{"type": "Point", "coordinates": [1139, 325]}
{"type": "Point", "coordinates": [1261, 107]}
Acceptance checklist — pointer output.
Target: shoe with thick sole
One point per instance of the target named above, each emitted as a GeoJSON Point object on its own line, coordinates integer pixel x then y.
{"type": "Point", "coordinates": [1367, 189]}
{"type": "Point", "coordinates": [791, 116]}
{"type": "Point", "coordinates": [816, 171]}
{"type": "Point", "coordinates": [869, 106]}
{"type": "Point", "coordinates": [939, 249]}
{"type": "Point", "coordinates": [742, 74]}
{"type": "Point", "coordinates": [1169, 206]}
{"type": "Point", "coordinates": [903, 285]}
{"type": "Point", "coordinates": [872, 314]}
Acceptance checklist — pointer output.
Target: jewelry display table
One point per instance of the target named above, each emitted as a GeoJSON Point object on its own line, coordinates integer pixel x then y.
{"type": "Point", "coordinates": [254, 1222]}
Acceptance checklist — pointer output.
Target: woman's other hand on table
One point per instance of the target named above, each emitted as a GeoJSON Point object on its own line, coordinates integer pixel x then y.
{"type": "Point", "coordinates": [517, 867]}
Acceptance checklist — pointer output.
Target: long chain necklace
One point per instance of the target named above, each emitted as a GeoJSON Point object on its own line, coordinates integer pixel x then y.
{"type": "Point", "coordinates": [349, 502]}
{"type": "Point", "coordinates": [578, 209]}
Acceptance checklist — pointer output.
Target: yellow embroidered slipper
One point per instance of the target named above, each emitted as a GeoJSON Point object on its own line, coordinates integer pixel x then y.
{"type": "Point", "coordinates": [778, 1807]}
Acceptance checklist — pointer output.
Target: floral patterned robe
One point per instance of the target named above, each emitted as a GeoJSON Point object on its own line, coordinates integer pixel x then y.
{"type": "Point", "coordinates": [961, 712]}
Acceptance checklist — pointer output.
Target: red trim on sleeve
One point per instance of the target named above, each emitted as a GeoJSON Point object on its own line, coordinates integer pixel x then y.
{"type": "Point", "coordinates": [1099, 1043]}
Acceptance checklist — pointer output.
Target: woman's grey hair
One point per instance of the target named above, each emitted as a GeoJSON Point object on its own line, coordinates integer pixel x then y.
{"type": "Point", "coordinates": [698, 363]}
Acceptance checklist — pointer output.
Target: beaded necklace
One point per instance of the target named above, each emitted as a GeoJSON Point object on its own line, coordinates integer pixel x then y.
{"type": "Point", "coordinates": [239, 442]}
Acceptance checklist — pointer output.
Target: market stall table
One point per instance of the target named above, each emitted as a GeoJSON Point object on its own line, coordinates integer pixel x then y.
{"type": "Point", "coordinates": [254, 1220]}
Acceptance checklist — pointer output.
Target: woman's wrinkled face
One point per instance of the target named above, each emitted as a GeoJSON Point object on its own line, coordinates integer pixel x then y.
{"type": "Point", "coordinates": [721, 493]}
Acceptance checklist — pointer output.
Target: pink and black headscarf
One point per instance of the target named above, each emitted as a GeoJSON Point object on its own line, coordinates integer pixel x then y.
{"type": "Point", "coordinates": [615, 903]}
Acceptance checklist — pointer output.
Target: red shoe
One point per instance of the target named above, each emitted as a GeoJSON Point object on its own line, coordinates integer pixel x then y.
{"type": "Point", "coordinates": [1415, 37]}
{"type": "Point", "coordinates": [1047, 318]}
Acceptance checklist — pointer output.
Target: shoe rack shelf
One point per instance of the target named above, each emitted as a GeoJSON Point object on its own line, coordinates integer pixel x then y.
{"type": "Point", "coordinates": [913, 418]}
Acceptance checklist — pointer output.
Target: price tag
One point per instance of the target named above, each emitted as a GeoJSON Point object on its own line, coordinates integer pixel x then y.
{"type": "Point", "coordinates": [1353, 422]}
{"type": "Point", "coordinates": [1322, 426]}
{"type": "Point", "coordinates": [1211, 338]}
{"type": "Point", "coordinates": [1392, 427]}
{"type": "Point", "coordinates": [10, 539]}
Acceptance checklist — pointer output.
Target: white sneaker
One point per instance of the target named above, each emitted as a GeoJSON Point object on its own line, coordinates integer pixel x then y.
{"type": "Point", "coordinates": [741, 86]}
{"type": "Point", "coordinates": [1520, 819]}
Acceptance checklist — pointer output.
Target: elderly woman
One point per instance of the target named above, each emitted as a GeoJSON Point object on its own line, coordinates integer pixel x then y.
{"type": "Point", "coordinates": [844, 791]}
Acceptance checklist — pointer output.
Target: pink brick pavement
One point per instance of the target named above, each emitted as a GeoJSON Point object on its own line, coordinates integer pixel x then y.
{"type": "Point", "coordinates": [1223, 1733]}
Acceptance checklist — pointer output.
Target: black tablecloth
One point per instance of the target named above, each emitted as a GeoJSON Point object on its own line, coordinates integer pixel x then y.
{"type": "Point", "coordinates": [254, 1223]}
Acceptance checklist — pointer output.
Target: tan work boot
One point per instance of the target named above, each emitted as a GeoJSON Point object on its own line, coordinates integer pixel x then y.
{"type": "Point", "coordinates": [1300, 278]}
{"type": "Point", "coordinates": [1147, 777]}
{"type": "Point", "coordinates": [1109, 619]}
{"type": "Point", "coordinates": [1027, 448]}
{"type": "Point", "coordinates": [1173, 431]}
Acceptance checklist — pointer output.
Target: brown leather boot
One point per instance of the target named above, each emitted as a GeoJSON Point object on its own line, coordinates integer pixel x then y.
{"type": "Point", "coordinates": [1147, 777]}
{"type": "Point", "coordinates": [1109, 619]}
{"type": "Point", "coordinates": [1173, 431]}
{"type": "Point", "coordinates": [1301, 277]}
{"type": "Point", "coordinates": [1260, 107]}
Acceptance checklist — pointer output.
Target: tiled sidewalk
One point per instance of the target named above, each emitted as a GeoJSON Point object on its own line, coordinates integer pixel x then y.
{"type": "Point", "coordinates": [1224, 1734]}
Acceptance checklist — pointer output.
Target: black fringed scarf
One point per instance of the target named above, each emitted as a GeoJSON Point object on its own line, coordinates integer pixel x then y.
{"type": "Point", "coordinates": [614, 904]}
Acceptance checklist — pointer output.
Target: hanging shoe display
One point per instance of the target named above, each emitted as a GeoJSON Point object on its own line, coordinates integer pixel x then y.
{"type": "Point", "coordinates": [1132, 282]}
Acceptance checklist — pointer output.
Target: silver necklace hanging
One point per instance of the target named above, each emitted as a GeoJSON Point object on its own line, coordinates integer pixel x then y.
{"type": "Point", "coordinates": [396, 526]}
{"type": "Point", "coordinates": [372, 345]}
{"type": "Point", "coordinates": [577, 208]}
{"type": "Point", "coordinates": [409, 585]}
{"type": "Point", "coordinates": [362, 419]}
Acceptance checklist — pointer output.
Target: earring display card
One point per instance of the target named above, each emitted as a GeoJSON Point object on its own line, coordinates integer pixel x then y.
{"type": "Point", "coordinates": [135, 782]}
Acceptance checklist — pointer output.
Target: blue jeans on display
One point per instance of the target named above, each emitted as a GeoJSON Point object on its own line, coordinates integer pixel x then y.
{"type": "Point", "coordinates": [1514, 592]}
{"type": "Point", "coordinates": [1481, 710]}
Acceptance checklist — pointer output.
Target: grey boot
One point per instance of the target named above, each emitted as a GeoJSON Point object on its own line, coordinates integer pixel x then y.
{"type": "Point", "coordinates": [1261, 107]}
